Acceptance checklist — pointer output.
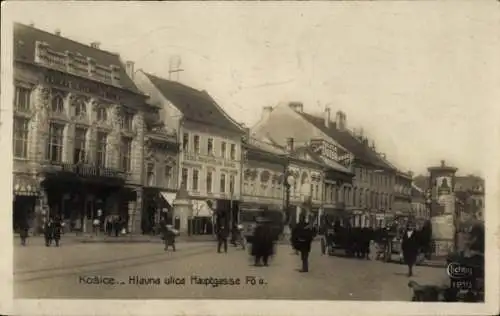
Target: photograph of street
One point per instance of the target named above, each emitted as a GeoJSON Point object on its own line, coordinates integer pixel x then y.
{"type": "Point", "coordinates": [263, 152]}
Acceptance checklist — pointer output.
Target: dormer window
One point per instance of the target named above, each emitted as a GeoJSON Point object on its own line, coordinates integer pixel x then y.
{"type": "Point", "coordinates": [57, 105]}
{"type": "Point", "coordinates": [102, 114]}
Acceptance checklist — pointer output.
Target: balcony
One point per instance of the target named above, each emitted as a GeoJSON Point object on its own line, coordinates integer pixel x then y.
{"type": "Point", "coordinates": [82, 170]}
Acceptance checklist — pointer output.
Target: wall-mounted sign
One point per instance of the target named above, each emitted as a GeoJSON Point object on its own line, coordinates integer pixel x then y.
{"type": "Point", "coordinates": [210, 160]}
{"type": "Point", "coordinates": [65, 81]}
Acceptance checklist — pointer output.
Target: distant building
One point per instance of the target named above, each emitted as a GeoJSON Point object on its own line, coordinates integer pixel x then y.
{"type": "Point", "coordinates": [419, 208]}
{"type": "Point", "coordinates": [469, 193]}
{"type": "Point", "coordinates": [210, 157]}
{"type": "Point", "coordinates": [370, 199]}
{"type": "Point", "coordinates": [78, 132]}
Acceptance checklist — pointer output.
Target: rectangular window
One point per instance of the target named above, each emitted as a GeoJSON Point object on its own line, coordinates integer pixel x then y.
{"type": "Point", "coordinates": [22, 99]}
{"type": "Point", "coordinates": [209, 181]}
{"type": "Point", "coordinates": [317, 192]}
{"type": "Point", "coordinates": [125, 154]}
{"type": "Point", "coordinates": [20, 137]}
{"type": "Point", "coordinates": [222, 183]}
{"type": "Point", "coordinates": [233, 152]}
{"type": "Point", "coordinates": [55, 143]}
{"type": "Point", "coordinates": [185, 142]}
{"type": "Point", "coordinates": [79, 145]}
{"type": "Point", "coordinates": [231, 184]}
{"type": "Point", "coordinates": [223, 149]}
{"type": "Point", "coordinates": [184, 178]}
{"type": "Point", "coordinates": [102, 142]}
{"type": "Point", "coordinates": [150, 175]}
{"type": "Point", "coordinates": [127, 120]}
{"type": "Point", "coordinates": [195, 180]}
{"type": "Point", "coordinates": [210, 147]}
{"type": "Point", "coordinates": [196, 144]}
{"type": "Point", "coordinates": [168, 176]}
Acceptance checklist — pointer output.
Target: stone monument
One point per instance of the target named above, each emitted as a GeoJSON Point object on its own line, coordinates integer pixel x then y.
{"type": "Point", "coordinates": [442, 193]}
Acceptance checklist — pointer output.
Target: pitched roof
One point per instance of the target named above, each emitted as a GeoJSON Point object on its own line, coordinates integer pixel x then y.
{"type": "Point", "coordinates": [348, 141]}
{"type": "Point", "coordinates": [25, 38]}
{"type": "Point", "coordinates": [195, 105]}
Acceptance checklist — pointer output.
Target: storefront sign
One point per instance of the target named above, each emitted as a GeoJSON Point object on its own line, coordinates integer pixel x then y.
{"type": "Point", "coordinates": [210, 160]}
{"type": "Point", "coordinates": [65, 81]}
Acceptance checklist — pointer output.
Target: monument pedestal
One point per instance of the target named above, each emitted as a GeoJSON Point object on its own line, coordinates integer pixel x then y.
{"type": "Point", "coordinates": [183, 209]}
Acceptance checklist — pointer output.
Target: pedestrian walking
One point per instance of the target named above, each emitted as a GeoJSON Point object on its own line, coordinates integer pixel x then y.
{"type": "Point", "coordinates": [222, 234]}
{"type": "Point", "coordinates": [410, 246]}
{"type": "Point", "coordinates": [303, 235]}
{"type": "Point", "coordinates": [262, 242]}
{"type": "Point", "coordinates": [48, 231]}
{"type": "Point", "coordinates": [57, 230]}
{"type": "Point", "coordinates": [23, 230]}
{"type": "Point", "coordinates": [168, 235]}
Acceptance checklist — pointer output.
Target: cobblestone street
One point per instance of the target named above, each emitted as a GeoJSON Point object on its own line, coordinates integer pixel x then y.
{"type": "Point", "coordinates": [65, 272]}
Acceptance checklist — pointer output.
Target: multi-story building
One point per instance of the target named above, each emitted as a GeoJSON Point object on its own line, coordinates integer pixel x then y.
{"type": "Point", "coordinates": [419, 207]}
{"type": "Point", "coordinates": [369, 199]}
{"type": "Point", "coordinates": [264, 167]}
{"type": "Point", "coordinates": [403, 195]}
{"type": "Point", "coordinates": [78, 132]}
{"type": "Point", "coordinates": [210, 160]}
{"type": "Point", "coordinates": [161, 149]}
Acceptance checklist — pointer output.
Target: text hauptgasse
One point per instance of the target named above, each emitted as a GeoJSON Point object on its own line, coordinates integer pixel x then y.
{"type": "Point", "coordinates": [193, 280]}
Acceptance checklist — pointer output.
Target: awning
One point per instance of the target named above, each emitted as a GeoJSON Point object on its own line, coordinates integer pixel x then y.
{"type": "Point", "coordinates": [201, 208]}
{"type": "Point", "coordinates": [169, 197]}
{"type": "Point", "coordinates": [25, 186]}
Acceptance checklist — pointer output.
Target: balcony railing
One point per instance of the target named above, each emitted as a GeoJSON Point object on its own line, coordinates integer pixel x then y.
{"type": "Point", "coordinates": [86, 170]}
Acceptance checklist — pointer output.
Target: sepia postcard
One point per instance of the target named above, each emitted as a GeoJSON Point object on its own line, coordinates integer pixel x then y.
{"type": "Point", "coordinates": [250, 158]}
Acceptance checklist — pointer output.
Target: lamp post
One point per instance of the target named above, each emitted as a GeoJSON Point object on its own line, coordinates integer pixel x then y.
{"type": "Point", "coordinates": [289, 182]}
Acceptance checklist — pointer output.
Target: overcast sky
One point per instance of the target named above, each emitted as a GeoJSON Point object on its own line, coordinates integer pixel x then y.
{"type": "Point", "coordinates": [419, 77]}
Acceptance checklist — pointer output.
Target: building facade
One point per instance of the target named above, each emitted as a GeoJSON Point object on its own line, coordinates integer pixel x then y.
{"type": "Point", "coordinates": [78, 133]}
{"type": "Point", "coordinates": [161, 154]}
{"type": "Point", "coordinates": [210, 153]}
{"type": "Point", "coordinates": [264, 167]}
{"type": "Point", "coordinates": [403, 195]}
{"type": "Point", "coordinates": [419, 207]}
{"type": "Point", "coordinates": [369, 198]}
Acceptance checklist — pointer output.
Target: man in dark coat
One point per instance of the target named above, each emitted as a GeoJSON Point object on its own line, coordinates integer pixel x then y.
{"type": "Point", "coordinates": [23, 230]}
{"type": "Point", "coordinates": [48, 233]}
{"type": "Point", "coordinates": [410, 247]}
{"type": "Point", "coordinates": [303, 236]}
{"type": "Point", "coordinates": [222, 234]}
{"type": "Point", "coordinates": [262, 242]}
{"type": "Point", "coordinates": [56, 230]}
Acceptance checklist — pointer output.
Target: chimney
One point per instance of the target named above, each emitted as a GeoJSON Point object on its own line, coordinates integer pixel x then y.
{"type": "Point", "coordinates": [442, 163]}
{"type": "Point", "coordinates": [327, 117]}
{"type": "Point", "coordinates": [57, 32]}
{"type": "Point", "coordinates": [297, 106]}
{"type": "Point", "coordinates": [340, 119]}
{"type": "Point", "coordinates": [95, 45]}
{"type": "Point", "coordinates": [129, 68]}
{"type": "Point", "coordinates": [266, 112]}
{"type": "Point", "coordinates": [289, 144]}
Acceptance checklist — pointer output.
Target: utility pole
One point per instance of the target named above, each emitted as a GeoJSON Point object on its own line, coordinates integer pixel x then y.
{"type": "Point", "coordinates": [175, 68]}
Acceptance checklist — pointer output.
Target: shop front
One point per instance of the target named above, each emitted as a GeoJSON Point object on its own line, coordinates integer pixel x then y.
{"type": "Point", "coordinates": [158, 207]}
{"type": "Point", "coordinates": [203, 217]}
{"type": "Point", "coordinates": [78, 197]}
{"type": "Point", "coordinates": [334, 213]}
{"type": "Point", "coordinates": [26, 190]}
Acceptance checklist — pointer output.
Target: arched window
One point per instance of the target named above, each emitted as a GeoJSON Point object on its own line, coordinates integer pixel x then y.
{"type": "Point", "coordinates": [57, 104]}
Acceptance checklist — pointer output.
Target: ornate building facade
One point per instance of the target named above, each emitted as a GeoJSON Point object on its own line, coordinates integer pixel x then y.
{"type": "Point", "coordinates": [78, 132]}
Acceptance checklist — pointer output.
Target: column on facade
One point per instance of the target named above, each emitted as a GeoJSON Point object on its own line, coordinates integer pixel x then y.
{"type": "Point", "coordinates": [40, 125]}
{"type": "Point", "coordinates": [137, 154]}
{"type": "Point", "coordinates": [114, 138]}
